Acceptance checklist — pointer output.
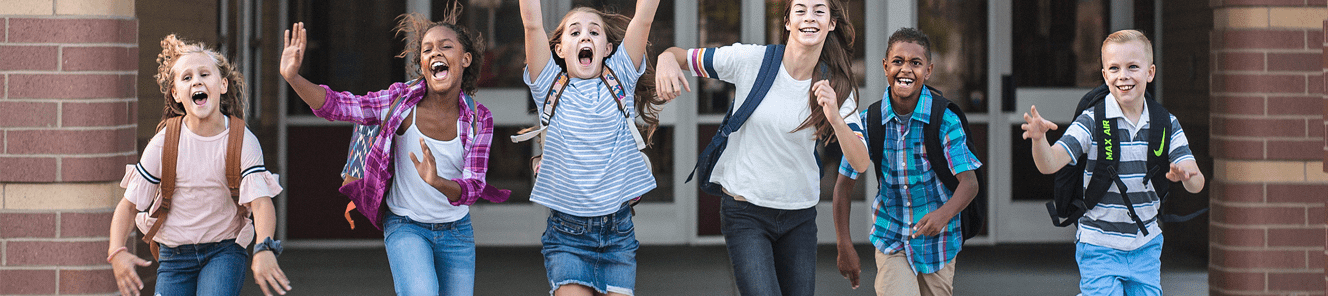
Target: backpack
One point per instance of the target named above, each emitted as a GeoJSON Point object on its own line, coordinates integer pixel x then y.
{"type": "Point", "coordinates": [705, 162]}
{"type": "Point", "coordinates": [971, 218]}
{"type": "Point", "coordinates": [362, 141]}
{"type": "Point", "coordinates": [1071, 200]}
{"type": "Point", "coordinates": [551, 106]}
{"type": "Point", "coordinates": [151, 221]}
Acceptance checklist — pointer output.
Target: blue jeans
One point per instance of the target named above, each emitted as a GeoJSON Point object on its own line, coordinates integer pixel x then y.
{"type": "Point", "coordinates": [773, 251]}
{"type": "Point", "coordinates": [201, 269]}
{"type": "Point", "coordinates": [411, 245]}
{"type": "Point", "coordinates": [596, 252]}
{"type": "Point", "coordinates": [1107, 271]}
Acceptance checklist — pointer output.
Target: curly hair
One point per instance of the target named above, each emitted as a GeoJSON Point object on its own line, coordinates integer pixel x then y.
{"type": "Point", "coordinates": [172, 48]}
{"type": "Point", "coordinates": [615, 28]}
{"type": "Point", "coordinates": [837, 56]}
{"type": "Point", "coordinates": [412, 27]}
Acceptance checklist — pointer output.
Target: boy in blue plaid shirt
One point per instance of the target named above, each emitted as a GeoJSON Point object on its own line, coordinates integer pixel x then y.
{"type": "Point", "coordinates": [915, 217]}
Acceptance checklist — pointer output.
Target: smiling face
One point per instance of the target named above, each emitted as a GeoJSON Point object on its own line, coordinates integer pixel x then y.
{"type": "Point", "coordinates": [1127, 70]}
{"type": "Point", "coordinates": [809, 22]}
{"type": "Point", "coordinates": [907, 69]}
{"type": "Point", "coordinates": [198, 85]}
{"type": "Point", "coordinates": [442, 59]}
{"type": "Point", "coordinates": [584, 44]}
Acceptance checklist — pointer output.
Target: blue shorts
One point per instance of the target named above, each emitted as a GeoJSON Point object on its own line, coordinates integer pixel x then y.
{"type": "Point", "coordinates": [596, 252]}
{"type": "Point", "coordinates": [1108, 271]}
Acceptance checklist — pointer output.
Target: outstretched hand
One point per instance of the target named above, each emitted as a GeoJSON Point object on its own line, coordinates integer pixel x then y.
{"type": "Point", "coordinates": [1179, 173]}
{"type": "Point", "coordinates": [427, 169]}
{"type": "Point", "coordinates": [292, 55]}
{"type": "Point", "coordinates": [124, 265]}
{"type": "Point", "coordinates": [669, 79]}
{"type": "Point", "coordinates": [828, 99]}
{"type": "Point", "coordinates": [1035, 127]}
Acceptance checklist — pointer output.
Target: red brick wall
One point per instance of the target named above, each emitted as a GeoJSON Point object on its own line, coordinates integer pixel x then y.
{"type": "Point", "coordinates": [1267, 222]}
{"type": "Point", "coordinates": [68, 122]}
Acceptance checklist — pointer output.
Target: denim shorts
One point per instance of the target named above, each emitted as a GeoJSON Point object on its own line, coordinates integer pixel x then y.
{"type": "Point", "coordinates": [202, 269]}
{"type": "Point", "coordinates": [597, 252]}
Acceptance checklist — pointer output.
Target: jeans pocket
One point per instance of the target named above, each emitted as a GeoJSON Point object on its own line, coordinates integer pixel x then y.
{"type": "Point", "coordinates": [566, 226]}
{"type": "Point", "coordinates": [727, 203]}
{"type": "Point", "coordinates": [625, 226]}
{"type": "Point", "coordinates": [464, 233]}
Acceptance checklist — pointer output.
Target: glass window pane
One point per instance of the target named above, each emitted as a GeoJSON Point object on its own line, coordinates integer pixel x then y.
{"type": "Point", "coordinates": [1058, 43]}
{"type": "Point", "coordinates": [509, 164]}
{"type": "Point", "coordinates": [356, 55]}
{"type": "Point", "coordinates": [958, 32]}
{"type": "Point", "coordinates": [499, 23]}
{"type": "Point", "coordinates": [719, 23]}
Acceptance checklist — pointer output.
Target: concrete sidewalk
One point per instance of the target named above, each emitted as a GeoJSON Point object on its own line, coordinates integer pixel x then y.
{"type": "Point", "coordinates": [1043, 269]}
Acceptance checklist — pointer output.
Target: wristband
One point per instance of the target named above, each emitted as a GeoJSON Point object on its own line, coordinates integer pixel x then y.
{"type": "Point", "coordinates": [268, 245]}
{"type": "Point", "coordinates": [113, 253]}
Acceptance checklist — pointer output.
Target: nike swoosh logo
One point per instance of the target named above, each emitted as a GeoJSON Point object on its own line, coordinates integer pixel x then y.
{"type": "Point", "coordinates": [1163, 145]}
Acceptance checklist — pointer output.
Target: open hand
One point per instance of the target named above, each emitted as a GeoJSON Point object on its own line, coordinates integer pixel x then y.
{"type": "Point", "coordinates": [124, 265]}
{"type": "Point", "coordinates": [292, 55]}
{"type": "Point", "coordinates": [268, 275]}
{"type": "Point", "coordinates": [849, 267]}
{"type": "Point", "coordinates": [828, 99]}
{"type": "Point", "coordinates": [1035, 127]}
{"type": "Point", "coordinates": [428, 171]}
{"type": "Point", "coordinates": [1179, 173]}
{"type": "Point", "coordinates": [669, 79]}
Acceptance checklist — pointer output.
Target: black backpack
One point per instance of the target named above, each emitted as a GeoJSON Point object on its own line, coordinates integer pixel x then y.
{"type": "Point", "coordinates": [971, 218]}
{"type": "Point", "coordinates": [1071, 200]}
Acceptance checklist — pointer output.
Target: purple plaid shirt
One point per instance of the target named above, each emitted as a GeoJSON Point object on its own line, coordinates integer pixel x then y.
{"type": "Point", "coordinates": [368, 193]}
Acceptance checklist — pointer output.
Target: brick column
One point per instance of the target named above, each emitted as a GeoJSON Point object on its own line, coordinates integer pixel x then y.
{"type": "Point", "coordinates": [1268, 183]}
{"type": "Point", "coordinates": [67, 129]}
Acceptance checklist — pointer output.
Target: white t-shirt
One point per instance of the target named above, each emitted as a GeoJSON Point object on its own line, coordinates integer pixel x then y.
{"type": "Point", "coordinates": [764, 163]}
{"type": "Point", "coordinates": [201, 208]}
{"type": "Point", "coordinates": [410, 196]}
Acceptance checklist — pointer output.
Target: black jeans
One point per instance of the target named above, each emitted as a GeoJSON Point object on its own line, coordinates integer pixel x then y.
{"type": "Point", "coordinates": [773, 251]}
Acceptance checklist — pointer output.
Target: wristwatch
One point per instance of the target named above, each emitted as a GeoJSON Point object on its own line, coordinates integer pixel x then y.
{"type": "Point", "coordinates": [268, 245]}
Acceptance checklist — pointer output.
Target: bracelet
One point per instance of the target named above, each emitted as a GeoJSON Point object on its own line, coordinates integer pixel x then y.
{"type": "Point", "coordinates": [268, 245]}
{"type": "Point", "coordinates": [113, 253]}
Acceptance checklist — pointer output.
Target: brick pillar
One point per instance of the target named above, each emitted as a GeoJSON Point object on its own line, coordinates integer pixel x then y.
{"type": "Point", "coordinates": [1268, 183]}
{"type": "Point", "coordinates": [67, 128]}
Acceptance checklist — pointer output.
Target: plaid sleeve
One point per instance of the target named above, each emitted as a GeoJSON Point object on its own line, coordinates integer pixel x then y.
{"type": "Point", "coordinates": [957, 152]}
{"type": "Point", "coordinates": [361, 109]}
{"type": "Point", "coordinates": [472, 181]}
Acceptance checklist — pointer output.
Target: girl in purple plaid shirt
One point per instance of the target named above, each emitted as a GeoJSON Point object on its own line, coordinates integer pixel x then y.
{"type": "Point", "coordinates": [438, 143]}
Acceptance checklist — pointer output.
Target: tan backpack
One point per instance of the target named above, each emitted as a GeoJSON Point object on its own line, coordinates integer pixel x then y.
{"type": "Point", "coordinates": [150, 222]}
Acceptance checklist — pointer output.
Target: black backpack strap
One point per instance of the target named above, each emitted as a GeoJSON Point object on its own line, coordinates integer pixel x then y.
{"type": "Point", "coordinates": [931, 133]}
{"type": "Point", "coordinates": [1159, 152]}
{"type": "Point", "coordinates": [1104, 168]}
{"type": "Point", "coordinates": [774, 57]}
{"type": "Point", "coordinates": [875, 137]}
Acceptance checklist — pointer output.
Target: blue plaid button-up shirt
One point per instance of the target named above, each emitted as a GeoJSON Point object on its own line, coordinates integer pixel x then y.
{"type": "Point", "coordinates": [910, 189]}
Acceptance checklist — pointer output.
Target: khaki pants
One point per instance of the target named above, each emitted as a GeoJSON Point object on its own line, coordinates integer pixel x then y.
{"type": "Point", "coordinates": [895, 277]}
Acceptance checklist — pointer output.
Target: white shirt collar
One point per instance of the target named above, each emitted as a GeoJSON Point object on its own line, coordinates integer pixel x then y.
{"type": "Point", "coordinates": [1114, 110]}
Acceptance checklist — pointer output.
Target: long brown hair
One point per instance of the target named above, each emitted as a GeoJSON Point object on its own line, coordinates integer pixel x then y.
{"type": "Point", "coordinates": [837, 55]}
{"type": "Point", "coordinates": [172, 48]}
{"type": "Point", "coordinates": [412, 26]}
{"type": "Point", "coordinates": [615, 28]}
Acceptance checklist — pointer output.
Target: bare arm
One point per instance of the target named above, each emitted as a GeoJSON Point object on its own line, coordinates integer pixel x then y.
{"type": "Point", "coordinates": [669, 80]}
{"type": "Point", "coordinates": [1187, 173]}
{"type": "Point", "coordinates": [267, 274]}
{"type": "Point", "coordinates": [848, 262]}
{"type": "Point", "coordinates": [292, 56]}
{"type": "Point", "coordinates": [124, 264]}
{"type": "Point", "coordinates": [854, 150]}
{"type": "Point", "coordinates": [638, 30]}
{"type": "Point", "coordinates": [537, 40]}
{"type": "Point", "coordinates": [1047, 158]}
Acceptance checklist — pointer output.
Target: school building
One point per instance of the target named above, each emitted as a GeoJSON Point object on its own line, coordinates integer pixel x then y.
{"type": "Point", "coordinates": [1245, 77]}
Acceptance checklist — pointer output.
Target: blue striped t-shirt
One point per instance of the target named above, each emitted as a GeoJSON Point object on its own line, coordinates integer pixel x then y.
{"type": "Point", "coordinates": [591, 165]}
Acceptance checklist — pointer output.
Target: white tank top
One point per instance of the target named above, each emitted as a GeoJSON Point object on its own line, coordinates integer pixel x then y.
{"type": "Point", "coordinates": [410, 196]}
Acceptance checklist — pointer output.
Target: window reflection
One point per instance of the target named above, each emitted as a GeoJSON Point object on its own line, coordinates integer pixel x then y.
{"type": "Point", "coordinates": [1057, 43]}
{"type": "Point", "coordinates": [958, 32]}
{"type": "Point", "coordinates": [719, 23]}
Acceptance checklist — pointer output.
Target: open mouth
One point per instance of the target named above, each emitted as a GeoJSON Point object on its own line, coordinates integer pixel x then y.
{"type": "Point", "coordinates": [1125, 87]}
{"type": "Point", "coordinates": [809, 30]}
{"type": "Point", "coordinates": [200, 98]}
{"type": "Point", "coordinates": [904, 82]}
{"type": "Point", "coordinates": [584, 56]}
{"type": "Point", "coordinates": [439, 69]}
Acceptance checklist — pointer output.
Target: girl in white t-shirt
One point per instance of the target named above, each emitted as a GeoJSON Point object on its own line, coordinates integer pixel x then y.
{"type": "Point", "coordinates": [769, 171]}
{"type": "Point", "coordinates": [202, 244]}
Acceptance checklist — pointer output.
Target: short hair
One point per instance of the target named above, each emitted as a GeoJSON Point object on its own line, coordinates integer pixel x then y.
{"type": "Point", "coordinates": [908, 34]}
{"type": "Point", "coordinates": [1127, 36]}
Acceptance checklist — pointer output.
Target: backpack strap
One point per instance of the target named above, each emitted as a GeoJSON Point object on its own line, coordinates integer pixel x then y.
{"type": "Point", "coordinates": [931, 139]}
{"type": "Point", "coordinates": [1159, 152]}
{"type": "Point", "coordinates": [169, 153]}
{"type": "Point", "coordinates": [611, 82]}
{"type": "Point", "coordinates": [1105, 173]}
{"type": "Point", "coordinates": [234, 144]}
{"type": "Point", "coordinates": [774, 57]}
{"type": "Point", "coordinates": [474, 117]}
{"type": "Point", "coordinates": [875, 137]}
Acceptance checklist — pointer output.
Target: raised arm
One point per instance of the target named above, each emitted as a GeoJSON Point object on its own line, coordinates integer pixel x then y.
{"type": "Point", "coordinates": [638, 30]}
{"type": "Point", "coordinates": [669, 80]}
{"type": "Point", "coordinates": [1047, 159]}
{"type": "Point", "coordinates": [537, 40]}
{"type": "Point", "coordinates": [292, 56]}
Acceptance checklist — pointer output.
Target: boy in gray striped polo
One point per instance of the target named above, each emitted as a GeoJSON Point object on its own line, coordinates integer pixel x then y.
{"type": "Point", "coordinates": [1114, 255]}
